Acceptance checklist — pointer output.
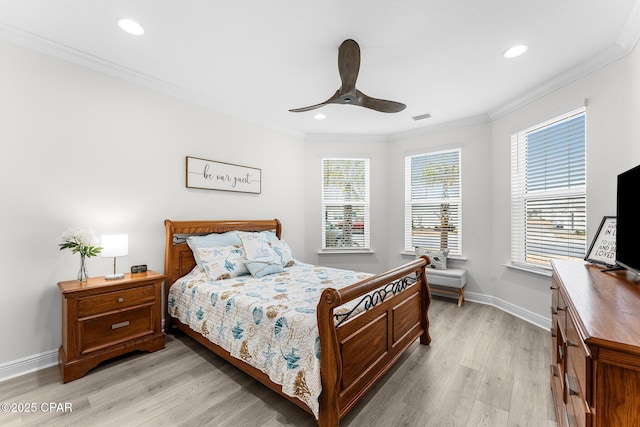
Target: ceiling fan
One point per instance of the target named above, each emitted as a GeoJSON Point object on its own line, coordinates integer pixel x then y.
{"type": "Point", "coordinates": [348, 67]}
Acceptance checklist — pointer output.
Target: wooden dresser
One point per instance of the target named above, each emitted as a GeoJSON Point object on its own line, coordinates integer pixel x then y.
{"type": "Point", "coordinates": [595, 360]}
{"type": "Point", "coordinates": [102, 319]}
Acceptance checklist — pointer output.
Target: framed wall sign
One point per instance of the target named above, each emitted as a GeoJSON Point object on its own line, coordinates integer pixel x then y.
{"type": "Point", "coordinates": [212, 175]}
{"type": "Point", "coordinates": [603, 247]}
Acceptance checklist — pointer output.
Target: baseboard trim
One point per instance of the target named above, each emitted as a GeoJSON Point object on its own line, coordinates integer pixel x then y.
{"type": "Point", "coordinates": [28, 364]}
{"type": "Point", "coordinates": [507, 307]}
{"type": "Point", "coordinates": [18, 367]}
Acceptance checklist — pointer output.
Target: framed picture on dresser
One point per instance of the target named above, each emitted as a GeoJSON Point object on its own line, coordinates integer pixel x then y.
{"type": "Point", "coordinates": [603, 247]}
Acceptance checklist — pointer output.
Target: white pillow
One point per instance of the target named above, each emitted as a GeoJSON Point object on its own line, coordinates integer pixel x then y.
{"type": "Point", "coordinates": [256, 245]}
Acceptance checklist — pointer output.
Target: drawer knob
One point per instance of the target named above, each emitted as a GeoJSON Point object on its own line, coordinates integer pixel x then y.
{"type": "Point", "coordinates": [120, 325]}
{"type": "Point", "coordinates": [120, 299]}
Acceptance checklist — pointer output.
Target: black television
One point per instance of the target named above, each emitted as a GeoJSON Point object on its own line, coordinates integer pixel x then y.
{"type": "Point", "coordinates": [628, 221]}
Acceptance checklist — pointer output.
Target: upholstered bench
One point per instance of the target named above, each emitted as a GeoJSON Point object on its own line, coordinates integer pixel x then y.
{"type": "Point", "coordinates": [450, 281]}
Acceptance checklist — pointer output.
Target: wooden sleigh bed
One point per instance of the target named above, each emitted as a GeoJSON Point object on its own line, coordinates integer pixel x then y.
{"type": "Point", "coordinates": [355, 352]}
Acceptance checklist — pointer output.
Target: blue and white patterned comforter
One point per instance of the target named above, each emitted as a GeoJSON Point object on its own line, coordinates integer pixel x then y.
{"type": "Point", "coordinates": [269, 322]}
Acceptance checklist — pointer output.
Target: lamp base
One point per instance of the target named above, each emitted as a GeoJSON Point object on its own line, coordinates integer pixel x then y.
{"type": "Point", "coordinates": [114, 276]}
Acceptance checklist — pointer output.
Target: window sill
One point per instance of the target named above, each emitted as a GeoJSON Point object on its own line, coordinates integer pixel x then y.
{"type": "Point", "coordinates": [450, 257]}
{"type": "Point", "coordinates": [545, 272]}
{"type": "Point", "coordinates": [343, 251]}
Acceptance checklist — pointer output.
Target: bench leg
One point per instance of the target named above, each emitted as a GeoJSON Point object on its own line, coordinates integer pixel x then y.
{"type": "Point", "coordinates": [461, 297]}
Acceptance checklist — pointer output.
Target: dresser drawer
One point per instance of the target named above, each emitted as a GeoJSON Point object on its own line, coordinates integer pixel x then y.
{"type": "Point", "coordinates": [115, 300]}
{"type": "Point", "coordinates": [579, 355]}
{"type": "Point", "coordinates": [578, 413]}
{"type": "Point", "coordinates": [111, 329]}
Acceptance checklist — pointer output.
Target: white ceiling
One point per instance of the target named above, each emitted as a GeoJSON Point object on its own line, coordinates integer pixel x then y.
{"type": "Point", "coordinates": [256, 59]}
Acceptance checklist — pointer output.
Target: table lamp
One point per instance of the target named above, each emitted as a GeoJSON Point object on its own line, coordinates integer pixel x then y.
{"type": "Point", "coordinates": [114, 245]}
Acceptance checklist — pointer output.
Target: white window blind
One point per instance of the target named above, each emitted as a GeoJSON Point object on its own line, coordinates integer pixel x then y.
{"type": "Point", "coordinates": [345, 204]}
{"type": "Point", "coordinates": [548, 191]}
{"type": "Point", "coordinates": [433, 201]}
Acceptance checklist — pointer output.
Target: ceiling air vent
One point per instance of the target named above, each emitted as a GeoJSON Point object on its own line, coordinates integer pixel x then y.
{"type": "Point", "coordinates": [422, 116]}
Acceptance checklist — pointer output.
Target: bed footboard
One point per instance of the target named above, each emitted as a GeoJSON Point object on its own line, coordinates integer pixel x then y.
{"type": "Point", "coordinates": [359, 350]}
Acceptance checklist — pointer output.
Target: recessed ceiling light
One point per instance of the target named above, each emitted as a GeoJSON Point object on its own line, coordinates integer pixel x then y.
{"type": "Point", "coordinates": [130, 26]}
{"type": "Point", "coordinates": [320, 116]}
{"type": "Point", "coordinates": [515, 51]}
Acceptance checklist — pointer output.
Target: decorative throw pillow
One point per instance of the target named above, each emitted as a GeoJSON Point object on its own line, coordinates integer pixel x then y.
{"type": "Point", "coordinates": [270, 235]}
{"type": "Point", "coordinates": [230, 238]}
{"type": "Point", "coordinates": [223, 262]}
{"type": "Point", "coordinates": [438, 258]}
{"type": "Point", "coordinates": [283, 253]}
{"type": "Point", "coordinates": [256, 245]}
{"type": "Point", "coordinates": [259, 267]}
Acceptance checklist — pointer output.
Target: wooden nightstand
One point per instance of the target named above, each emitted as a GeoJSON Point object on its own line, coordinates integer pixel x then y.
{"type": "Point", "coordinates": [102, 319]}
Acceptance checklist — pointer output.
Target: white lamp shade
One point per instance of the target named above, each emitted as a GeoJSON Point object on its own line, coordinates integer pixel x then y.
{"type": "Point", "coordinates": [114, 245]}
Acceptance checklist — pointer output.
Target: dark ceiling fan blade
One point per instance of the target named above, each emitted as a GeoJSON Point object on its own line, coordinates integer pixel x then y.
{"type": "Point", "coordinates": [348, 67]}
{"type": "Point", "coordinates": [313, 107]}
{"type": "Point", "coordinates": [348, 64]}
{"type": "Point", "coordinates": [381, 105]}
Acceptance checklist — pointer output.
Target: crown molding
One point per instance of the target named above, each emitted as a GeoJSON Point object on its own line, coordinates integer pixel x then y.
{"type": "Point", "coordinates": [335, 137]}
{"type": "Point", "coordinates": [584, 68]}
{"type": "Point", "coordinates": [441, 127]}
{"type": "Point", "coordinates": [83, 59]}
{"type": "Point", "coordinates": [630, 33]}
{"type": "Point", "coordinates": [627, 41]}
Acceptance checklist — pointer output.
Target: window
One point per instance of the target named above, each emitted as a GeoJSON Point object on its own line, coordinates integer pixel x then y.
{"type": "Point", "coordinates": [433, 201]}
{"type": "Point", "coordinates": [548, 191]}
{"type": "Point", "coordinates": [345, 204]}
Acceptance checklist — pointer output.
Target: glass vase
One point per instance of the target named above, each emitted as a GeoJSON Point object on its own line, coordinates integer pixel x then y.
{"type": "Point", "coordinates": [82, 274]}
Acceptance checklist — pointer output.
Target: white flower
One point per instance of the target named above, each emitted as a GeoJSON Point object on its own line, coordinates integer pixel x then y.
{"type": "Point", "coordinates": [87, 237]}
{"type": "Point", "coordinates": [83, 235]}
{"type": "Point", "coordinates": [80, 240]}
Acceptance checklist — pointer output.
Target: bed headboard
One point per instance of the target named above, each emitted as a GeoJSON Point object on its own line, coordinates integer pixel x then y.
{"type": "Point", "coordinates": [178, 258]}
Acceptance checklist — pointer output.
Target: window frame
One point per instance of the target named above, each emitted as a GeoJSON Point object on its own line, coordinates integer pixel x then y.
{"type": "Point", "coordinates": [365, 205]}
{"type": "Point", "coordinates": [409, 242]}
{"type": "Point", "coordinates": [570, 194]}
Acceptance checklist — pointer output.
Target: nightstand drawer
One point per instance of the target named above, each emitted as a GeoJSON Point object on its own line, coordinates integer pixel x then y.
{"type": "Point", "coordinates": [115, 300]}
{"type": "Point", "coordinates": [111, 329]}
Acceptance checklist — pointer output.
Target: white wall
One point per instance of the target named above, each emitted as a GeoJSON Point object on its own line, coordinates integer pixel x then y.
{"type": "Point", "coordinates": [81, 148]}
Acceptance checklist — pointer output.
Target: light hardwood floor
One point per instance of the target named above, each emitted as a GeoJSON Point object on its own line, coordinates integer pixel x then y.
{"type": "Point", "coordinates": [484, 367]}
